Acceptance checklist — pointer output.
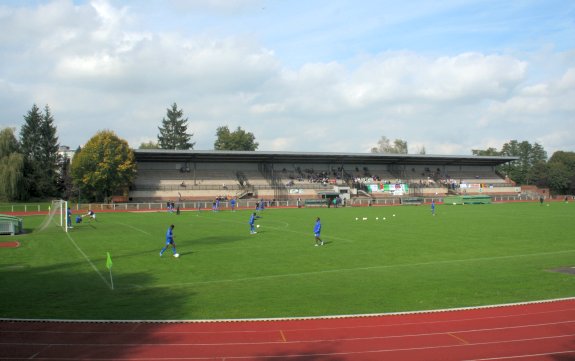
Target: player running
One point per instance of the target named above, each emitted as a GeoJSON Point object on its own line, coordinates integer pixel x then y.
{"type": "Point", "coordinates": [170, 242]}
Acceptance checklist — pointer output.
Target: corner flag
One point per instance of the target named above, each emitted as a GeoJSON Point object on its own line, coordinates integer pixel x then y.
{"type": "Point", "coordinates": [109, 261]}
{"type": "Point", "coordinates": [109, 266]}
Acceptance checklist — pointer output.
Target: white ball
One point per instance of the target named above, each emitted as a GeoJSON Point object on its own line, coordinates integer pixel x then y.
{"type": "Point", "coordinates": [377, 218]}
{"type": "Point", "coordinates": [394, 215]}
{"type": "Point", "coordinates": [356, 218]}
{"type": "Point", "coordinates": [258, 226]}
{"type": "Point", "coordinates": [177, 255]}
{"type": "Point", "coordinates": [384, 218]}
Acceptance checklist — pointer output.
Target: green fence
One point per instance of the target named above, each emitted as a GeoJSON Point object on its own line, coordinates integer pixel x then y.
{"type": "Point", "coordinates": [467, 200]}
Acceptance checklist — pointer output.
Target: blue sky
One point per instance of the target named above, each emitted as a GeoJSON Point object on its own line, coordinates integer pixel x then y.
{"type": "Point", "coordinates": [446, 76]}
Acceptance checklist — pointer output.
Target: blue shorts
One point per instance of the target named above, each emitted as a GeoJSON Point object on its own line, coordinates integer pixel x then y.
{"type": "Point", "coordinates": [316, 234]}
{"type": "Point", "coordinates": [168, 242]}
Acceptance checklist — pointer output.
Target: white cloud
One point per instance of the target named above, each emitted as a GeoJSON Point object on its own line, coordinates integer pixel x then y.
{"type": "Point", "coordinates": [225, 6]}
{"type": "Point", "coordinates": [99, 67]}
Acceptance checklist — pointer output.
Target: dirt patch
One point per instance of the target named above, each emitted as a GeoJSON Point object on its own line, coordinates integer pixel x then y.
{"type": "Point", "coordinates": [569, 270]}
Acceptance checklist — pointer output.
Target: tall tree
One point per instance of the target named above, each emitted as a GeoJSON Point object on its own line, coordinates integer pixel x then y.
{"type": "Point", "coordinates": [30, 142]}
{"type": "Point", "coordinates": [39, 145]}
{"type": "Point", "coordinates": [384, 145]}
{"type": "Point", "coordinates": [236, 140]}
{"type": "Point", "coordinates": [11, 166]}
{"type": "Point", "coordinates": [30, 133]}
{"type": "Point", "coordinates": [104, 167]}
{"type": "Point", "coordinates": [48, 157]}
{"type": "Point", "coordinates": [173, 132]}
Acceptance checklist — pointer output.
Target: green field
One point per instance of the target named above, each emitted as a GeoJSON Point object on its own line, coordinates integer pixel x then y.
{"type": "Point", "coordinates": [464, 256]}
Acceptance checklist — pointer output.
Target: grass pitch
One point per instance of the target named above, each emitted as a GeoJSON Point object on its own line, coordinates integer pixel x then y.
{"type": "Point", "coordinates": [462, 256]}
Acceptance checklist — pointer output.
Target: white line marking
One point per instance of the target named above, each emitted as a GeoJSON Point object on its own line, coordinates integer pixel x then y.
{"type": "Point", "coordinates": [89, 260]}
{"type": "Point", "coordinates": [307, 355]}
{"type": "Point", "coordinates": [134, 228]}
{"type": "Point", "coordinates": [272, 331]}
{"type": "Point", "coordinates": [522, 356]}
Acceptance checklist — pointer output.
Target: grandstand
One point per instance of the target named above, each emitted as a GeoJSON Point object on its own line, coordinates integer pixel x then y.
{"type": "Point", "coordinates": [204, 175]}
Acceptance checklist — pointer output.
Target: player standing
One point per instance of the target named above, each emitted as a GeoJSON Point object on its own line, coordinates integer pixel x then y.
{"type": "Point", "coordinates": [69, 221]}
{"type": "Point", "coordinates": [317, 232]}
{"type": "Point", "coordinates": [433, 207]}
{"type": "Point", "coordinates": [169, 241]}
{"type": "Point", "coordinates": [252, 223]}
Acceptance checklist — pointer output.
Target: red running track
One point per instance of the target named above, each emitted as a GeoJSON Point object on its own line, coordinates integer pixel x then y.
{"type": "Point", "coordinates": [534, 331]}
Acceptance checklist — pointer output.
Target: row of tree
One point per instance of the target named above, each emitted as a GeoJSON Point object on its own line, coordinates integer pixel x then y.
{"type": "Point", "coordinates": [533, 168]}
{"type": "Point", "coordinates": [31, 167]}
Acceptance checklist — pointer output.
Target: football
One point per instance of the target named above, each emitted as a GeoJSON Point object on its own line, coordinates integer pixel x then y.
{"type": "Point", "coordinates": [258, 226]}
{"type": "Point", "coordinates": [177, 255]}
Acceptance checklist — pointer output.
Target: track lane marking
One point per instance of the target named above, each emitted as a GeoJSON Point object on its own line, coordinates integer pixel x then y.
{"type": "Point", "coordinates": [347, 339]}
{"type": "Point", "coordinates": [458, 339]}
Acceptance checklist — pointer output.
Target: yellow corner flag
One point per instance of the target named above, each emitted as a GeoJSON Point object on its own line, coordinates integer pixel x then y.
{"type": "Point", "coordinates": [109, 261]}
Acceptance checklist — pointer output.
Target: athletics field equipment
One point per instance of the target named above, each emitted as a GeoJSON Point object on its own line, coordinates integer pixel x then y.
{"type": "Point", "coordinates": [464, 256]}
{"type": "Point", "coordinates": [10, 225]}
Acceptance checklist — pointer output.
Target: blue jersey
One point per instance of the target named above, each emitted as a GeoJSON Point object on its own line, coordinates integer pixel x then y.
{"type": "Point", "coordinates": [317, 228]}
{"type": "Point", "coordinates": [252, 219]}
{"type": "Point", "coordinates": [169, 235]}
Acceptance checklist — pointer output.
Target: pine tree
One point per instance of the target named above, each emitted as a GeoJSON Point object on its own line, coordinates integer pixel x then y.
{"type": "Point", "coordinates": [30, 134]}
{"type": "Point", "coordinates": [39, 145]}
{"type": "Point", "coordinates": [30, 145]}
{"type": "Point", "coordinates": [49, 156]}
{"type": "Point", "coordinates": [173, 132]}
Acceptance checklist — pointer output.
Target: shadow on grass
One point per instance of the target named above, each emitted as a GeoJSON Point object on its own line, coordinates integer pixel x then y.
{"type": "Point", "coordinates": [45, 292]}
{"type": "Point", "coordinates": [72, 291]}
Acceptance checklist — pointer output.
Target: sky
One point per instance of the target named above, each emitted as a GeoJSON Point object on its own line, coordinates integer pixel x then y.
{"type": "Point", "coordinates": [301, 75]}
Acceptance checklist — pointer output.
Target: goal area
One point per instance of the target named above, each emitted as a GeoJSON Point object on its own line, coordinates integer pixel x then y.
{"type": "Point", "coordinates": [57, 215]}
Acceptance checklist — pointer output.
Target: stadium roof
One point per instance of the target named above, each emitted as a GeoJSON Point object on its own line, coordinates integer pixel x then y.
{"type": "Point", "coordinates": [162, 155]}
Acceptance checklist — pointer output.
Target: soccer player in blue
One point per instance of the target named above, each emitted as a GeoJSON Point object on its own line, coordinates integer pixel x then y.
{"type": "Point", "coordinates": [317, 232]}
{"type": "Point", "coordinates": [233, 204]}
{"type": "Point", "coordinates": [252, 223]}
{"type": "Point", "coordinates": [433, 207]}
{"type": "Point", "coordinates": [169, 241]}
{"type": "Point", "coordinates": [69, 221]}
